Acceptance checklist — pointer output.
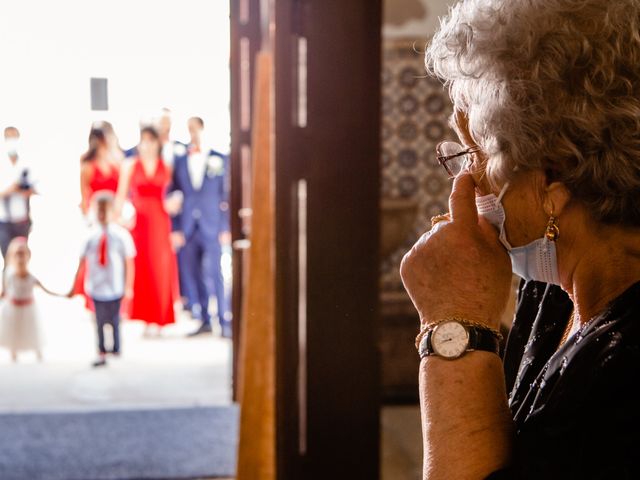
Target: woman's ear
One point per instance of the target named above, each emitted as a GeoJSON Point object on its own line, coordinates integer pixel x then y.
{"type": "Point", "coordinates": [556, 198]}
{"type": "Point", "coordinates": [460, 123]}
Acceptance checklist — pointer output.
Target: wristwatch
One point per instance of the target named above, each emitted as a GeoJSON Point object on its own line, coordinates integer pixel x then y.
{"type": "Point", "coordinates": [451, 339]}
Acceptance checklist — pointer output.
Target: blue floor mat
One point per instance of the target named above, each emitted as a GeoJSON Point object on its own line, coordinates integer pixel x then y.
{"type": "Point", "coordinates": [180, 443]}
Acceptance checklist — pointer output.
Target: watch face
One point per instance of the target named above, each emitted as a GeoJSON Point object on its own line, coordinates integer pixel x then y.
{"type": "Point", "coordinates": [450, 339]}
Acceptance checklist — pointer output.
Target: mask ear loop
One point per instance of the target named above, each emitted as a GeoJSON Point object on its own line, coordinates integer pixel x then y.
{"type": "Point", "coordinates": [506, 185]}
{"type": "Point", "coordinates": [503, 232]}
{"type": "Point", "coordinates": [503, 191]}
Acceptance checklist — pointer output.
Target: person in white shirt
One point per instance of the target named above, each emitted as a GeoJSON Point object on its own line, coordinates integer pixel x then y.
{"type": "Point", "coordinates": [16, 189]}
{"type": "Point", "coordinates": [109, 253]}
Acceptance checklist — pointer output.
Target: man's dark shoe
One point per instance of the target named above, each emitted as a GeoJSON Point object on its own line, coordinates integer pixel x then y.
{"type": "Point", "coordinates": [101, 362]}
{"type": "Point", "coordinates": [204, 328]}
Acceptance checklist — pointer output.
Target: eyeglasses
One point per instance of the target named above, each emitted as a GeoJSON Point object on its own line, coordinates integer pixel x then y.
{"type": "Point", "coordinates": [454, 157]}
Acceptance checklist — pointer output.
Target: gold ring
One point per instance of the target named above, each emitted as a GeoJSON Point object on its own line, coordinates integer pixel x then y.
{"type": "Point", "coordinates": [439, 218]}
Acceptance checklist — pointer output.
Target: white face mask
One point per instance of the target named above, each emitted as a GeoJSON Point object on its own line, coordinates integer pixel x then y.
{"type": "Point", "coordinates": [535, 261]}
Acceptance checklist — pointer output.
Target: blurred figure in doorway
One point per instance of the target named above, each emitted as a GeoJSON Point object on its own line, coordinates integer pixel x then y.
{"type": "Point", "coordinates": [171, 147]}
{"type": "Point", "coordinates": [162, 124]}
{"type": "Point", "coordinates": [108, 253]}
{"type": "Point", "coordinates": [16, 189]}
{"type": "Point", "coordinates": [201, 177]}
{"type": "Point", "coordinates": [99, 171]}
{"type": "Point", "coordinates": [145, 180]}
{"type": "Point", "coordinates": [113, 143]}
{"type": "Point", "coordinates": [20, 327]}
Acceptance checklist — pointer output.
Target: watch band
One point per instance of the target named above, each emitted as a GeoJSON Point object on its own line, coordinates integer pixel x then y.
{"type": "Point", "coordinates": [483, 339]}
{"type": "Point", "coordinates": [480, 338]}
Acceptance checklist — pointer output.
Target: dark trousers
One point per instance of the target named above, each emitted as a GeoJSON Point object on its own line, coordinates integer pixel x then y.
{"type": "Point", "coordinates": [108, 313]}
{"type": "Point", "coordinates": [203, 275]}
{"type": "Point", "coordinates": [9, 231]}
{"type": "Point", "coordinates": [185, 293]}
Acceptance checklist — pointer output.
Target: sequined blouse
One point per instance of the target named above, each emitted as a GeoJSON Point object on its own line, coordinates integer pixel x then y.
{"type": "Point", "coordinates": [577, 407]}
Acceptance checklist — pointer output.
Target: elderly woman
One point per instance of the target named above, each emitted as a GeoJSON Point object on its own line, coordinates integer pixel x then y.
{"type": "Point", "coordinates": [547, 185]}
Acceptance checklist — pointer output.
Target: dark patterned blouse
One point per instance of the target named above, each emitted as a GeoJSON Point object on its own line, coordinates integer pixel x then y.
{"type": "Point", "coordinates": [577, 407]}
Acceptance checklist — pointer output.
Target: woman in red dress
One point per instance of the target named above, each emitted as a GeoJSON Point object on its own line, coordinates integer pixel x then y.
{"type": "Point", "coordinates": [98, 171]}
{"type": "Point", "coordinates": [144, 181]}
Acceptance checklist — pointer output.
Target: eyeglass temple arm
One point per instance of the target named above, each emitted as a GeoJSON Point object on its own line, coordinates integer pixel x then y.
{"type": "Point", "coordinates": [444, 158]}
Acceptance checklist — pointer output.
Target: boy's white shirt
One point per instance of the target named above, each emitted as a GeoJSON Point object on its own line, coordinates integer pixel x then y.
{"type": "Point", "coordinates": [106, 283]}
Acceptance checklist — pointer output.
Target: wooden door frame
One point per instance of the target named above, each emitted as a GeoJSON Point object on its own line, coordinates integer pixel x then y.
{"type": "Point", "coordinates": [245, 42]}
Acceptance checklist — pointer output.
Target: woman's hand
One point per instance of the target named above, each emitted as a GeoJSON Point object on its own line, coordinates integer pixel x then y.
{"type": "Point", "coordinates": [459, 268]}
{"type": "Point", "coordinates": [177, 240]}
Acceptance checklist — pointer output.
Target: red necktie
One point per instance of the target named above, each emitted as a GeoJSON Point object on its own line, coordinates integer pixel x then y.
{"type": "Point", "coordinates": [102, 250]}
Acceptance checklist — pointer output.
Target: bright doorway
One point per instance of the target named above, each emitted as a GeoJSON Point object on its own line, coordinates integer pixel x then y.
{"type": "Point", "coordinates": [154, 55]}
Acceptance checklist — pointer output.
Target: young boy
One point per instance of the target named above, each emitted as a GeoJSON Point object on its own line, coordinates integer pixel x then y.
{"type": "Point", "coordinates": [109, 255]}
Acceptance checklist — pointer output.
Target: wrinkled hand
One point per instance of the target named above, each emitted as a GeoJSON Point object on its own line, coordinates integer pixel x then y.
{"type": "Point", "coordinates": [459, 268]}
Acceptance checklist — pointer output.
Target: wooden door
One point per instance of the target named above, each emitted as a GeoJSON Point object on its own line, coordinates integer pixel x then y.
{"type": "Point", "coordinates": [327, 91]}
{"type": "Point", "coordinates": [325, 118]}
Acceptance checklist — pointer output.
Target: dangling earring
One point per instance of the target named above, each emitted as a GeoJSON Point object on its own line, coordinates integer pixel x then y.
{"type": "Point", "coordinates": [552, 232]}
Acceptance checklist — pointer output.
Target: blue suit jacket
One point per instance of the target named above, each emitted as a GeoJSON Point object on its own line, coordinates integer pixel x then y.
{"type": "Point", "coordinates": [130, 152]}
{"type": "Point", "coordinates": [202, 208]}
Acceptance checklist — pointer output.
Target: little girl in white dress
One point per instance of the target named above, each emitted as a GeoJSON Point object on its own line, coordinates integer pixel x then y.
{"type": "Point", "coordinates": [19, 318]}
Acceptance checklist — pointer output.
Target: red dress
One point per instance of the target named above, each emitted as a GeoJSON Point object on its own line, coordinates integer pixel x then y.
{"type": "Point", "coordinates": [156, 271]}
{"type": "Point", "coordinates": [102, 181]}
{"type": "Point", "coordinates": [99, 181]}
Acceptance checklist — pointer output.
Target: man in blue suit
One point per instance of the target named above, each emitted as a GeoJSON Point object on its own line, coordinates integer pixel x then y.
{"type": "Point", "coordinates": [201, 176]}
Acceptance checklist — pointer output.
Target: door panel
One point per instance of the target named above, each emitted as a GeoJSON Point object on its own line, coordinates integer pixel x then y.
{"type": "Point", "coordinates": [327, 61]}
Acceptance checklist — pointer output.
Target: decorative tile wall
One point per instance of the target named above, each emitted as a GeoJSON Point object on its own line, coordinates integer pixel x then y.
{"type": "Point", "coordinates": [415, 115]}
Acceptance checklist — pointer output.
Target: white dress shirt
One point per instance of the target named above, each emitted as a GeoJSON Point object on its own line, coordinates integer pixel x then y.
{"type": "Point", "coordinates": [196, 163]}
{"type": "Point", "coordinates": [14, 207]}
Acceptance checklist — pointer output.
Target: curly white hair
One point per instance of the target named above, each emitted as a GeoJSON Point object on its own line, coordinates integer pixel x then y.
{"type": "Point", "coordinates": [551, 85]}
